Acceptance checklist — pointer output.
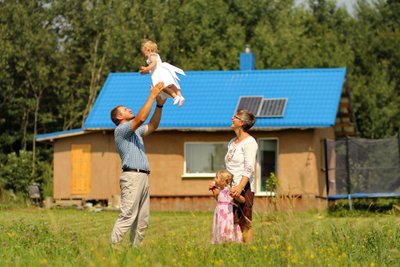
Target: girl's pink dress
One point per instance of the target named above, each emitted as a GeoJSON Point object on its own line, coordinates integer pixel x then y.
{"type": "Point", "coordinates": [224, 230]}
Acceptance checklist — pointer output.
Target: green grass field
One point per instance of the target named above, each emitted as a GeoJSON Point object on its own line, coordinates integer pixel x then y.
{"type": "Point", "coordinates": [69, 237]}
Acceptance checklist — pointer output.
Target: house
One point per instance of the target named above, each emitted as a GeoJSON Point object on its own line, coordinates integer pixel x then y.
{"type": "Point", "coordinates": [296, 110]}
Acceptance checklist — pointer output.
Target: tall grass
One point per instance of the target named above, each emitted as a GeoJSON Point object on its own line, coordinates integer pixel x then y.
{"type": "Point", "coordinates": [67, 237]}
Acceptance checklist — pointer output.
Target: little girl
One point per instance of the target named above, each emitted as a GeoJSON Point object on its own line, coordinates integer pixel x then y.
{"type": "Point", "coordinates": [162, 72]}
{"type": "Point", "coordinates": [224, 228]}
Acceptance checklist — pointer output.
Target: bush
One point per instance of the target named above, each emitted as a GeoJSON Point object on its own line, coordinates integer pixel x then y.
{"type": "Point", "coordinates": [272, 183]}
{"type": "Point", "coordinates": [16, 173]}
{"type": "Point", "coordinates": [45, 178]}
{"type": "Point", "coordinates": [364, 206]}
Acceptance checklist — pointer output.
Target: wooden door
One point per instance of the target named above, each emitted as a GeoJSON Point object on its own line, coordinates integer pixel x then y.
{"type": "Point", "coordinates": [81, 169]}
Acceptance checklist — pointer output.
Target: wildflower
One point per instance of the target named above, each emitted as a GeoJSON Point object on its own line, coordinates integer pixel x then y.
{"type": "Point", "coordinates": [219, 262]}
{"type": "Point", "coordinates": [12, 234]}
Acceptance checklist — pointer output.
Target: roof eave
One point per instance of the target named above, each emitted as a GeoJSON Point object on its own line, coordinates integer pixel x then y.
{"type": "Point", "coordinates": [214, 129]}
{"type": "Point", "coordinates": [61, 135]}
{"type": "Point", "coordinates": [51, 138]}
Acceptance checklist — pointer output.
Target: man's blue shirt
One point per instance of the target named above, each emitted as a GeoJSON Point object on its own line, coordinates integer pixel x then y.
{"type": "Point", "coordinates": [130, 146]}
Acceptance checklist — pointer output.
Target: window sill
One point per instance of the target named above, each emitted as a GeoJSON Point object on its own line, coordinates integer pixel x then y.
{"type": "Point", "coordinates": [198, 175]}
{"type": "Point", "coordinates": [265, 194]}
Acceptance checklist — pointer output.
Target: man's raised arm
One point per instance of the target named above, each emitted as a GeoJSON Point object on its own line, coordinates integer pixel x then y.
{"type": "Point", "coordinates": [146, 108]}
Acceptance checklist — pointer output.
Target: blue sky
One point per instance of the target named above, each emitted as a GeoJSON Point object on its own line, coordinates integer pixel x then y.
{"type": "Point", "coordinates": [349, 4]}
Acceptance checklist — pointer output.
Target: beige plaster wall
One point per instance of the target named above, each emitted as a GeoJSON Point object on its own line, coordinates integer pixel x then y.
{"type": "Point", "coordinates": [166, 155]}
{"type": "Point", "coordinates": [104, 166]}
{"type": "Point", "coordinates": [300, 162]}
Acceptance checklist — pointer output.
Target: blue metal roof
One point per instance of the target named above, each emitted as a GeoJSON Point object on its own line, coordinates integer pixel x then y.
{"type": "Point", "coordinates": [211, 97]}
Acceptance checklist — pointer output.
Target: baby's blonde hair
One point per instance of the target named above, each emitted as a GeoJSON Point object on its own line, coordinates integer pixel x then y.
{"type": "Point", "coordinates": [149, 45]}
{"type": "Point", "coordinates": [226, 175]}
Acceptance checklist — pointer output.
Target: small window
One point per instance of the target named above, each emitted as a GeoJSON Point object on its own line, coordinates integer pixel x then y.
{"type": "Point", "coordinates": [204, 159]}
{"type": "Point", "coordinates": [267, 160]}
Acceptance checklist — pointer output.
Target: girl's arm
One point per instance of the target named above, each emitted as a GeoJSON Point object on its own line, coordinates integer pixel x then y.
{"type": "Point", "coordinates": [152, 65]}
{"type": "Point", "coordinates": [215, 193]}
{"type": "Point", "coordinates": [240, 198]}
{"type": "Point", "coordinates": [214, 190]}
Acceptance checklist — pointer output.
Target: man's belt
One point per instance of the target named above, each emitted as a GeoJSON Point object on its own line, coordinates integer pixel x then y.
{"type": "Point", "coordinates": [135, 170]}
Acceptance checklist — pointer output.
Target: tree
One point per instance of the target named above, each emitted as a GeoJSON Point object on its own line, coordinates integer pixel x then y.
{"type": "Point", "coordinates": [30, 45]}
{"type": "Point", "coordinates": [16, 172]}
{"type": "Point", "coordinates": [55, 55]}
{"type": "Point", "coordinates": [376, 74]}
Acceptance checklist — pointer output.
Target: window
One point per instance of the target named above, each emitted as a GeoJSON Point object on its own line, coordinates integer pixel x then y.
{"type": "Point", "coordinates": [204, 159]}
{"type": "Point", "coordinates": [267, 155]}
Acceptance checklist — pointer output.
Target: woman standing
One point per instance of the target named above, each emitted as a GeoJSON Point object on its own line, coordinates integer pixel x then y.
{"type": "Point", "coordinates": [240, 161]}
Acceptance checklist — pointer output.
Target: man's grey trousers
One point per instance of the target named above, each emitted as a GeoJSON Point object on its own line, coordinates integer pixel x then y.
{"type": "Point", "coordinates": [135, 208]}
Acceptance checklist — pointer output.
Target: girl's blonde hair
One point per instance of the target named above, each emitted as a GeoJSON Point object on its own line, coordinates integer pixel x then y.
{"type": "Point", "coordinates": [149, 45]}
{"type": "Point", "coordinates": [225, 175]}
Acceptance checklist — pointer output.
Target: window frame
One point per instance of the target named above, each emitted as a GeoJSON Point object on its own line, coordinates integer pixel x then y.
{"type": "Point", "coordinates": [203, 174]}
{"type": "Point", "coordinates": [258, 172]}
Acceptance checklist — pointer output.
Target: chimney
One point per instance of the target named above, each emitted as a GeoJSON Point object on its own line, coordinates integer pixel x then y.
{"type": "Point", "coordinates": [247, 59]}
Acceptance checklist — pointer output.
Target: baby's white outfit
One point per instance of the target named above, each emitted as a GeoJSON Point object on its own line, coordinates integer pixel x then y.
{"type": "Point", "coordinates": [166, 73]}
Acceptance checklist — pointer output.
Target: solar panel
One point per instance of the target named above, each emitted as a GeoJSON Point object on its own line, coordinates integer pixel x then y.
{"type": "Point", "coordinates": [251, 103]}
{"type": "Point", "coordinates": [273, 107]}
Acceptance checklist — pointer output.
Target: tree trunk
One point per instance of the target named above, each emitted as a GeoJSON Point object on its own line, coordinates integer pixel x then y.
{"type": "Point", "coordinates": [35, 122]}
{"type": "Point", "coordinates": [24, 128]}
{"type": "Point", "coordinates": [94, 81]}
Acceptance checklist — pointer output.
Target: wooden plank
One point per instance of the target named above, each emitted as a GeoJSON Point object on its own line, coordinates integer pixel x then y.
{"type": "Point", "coordinates": [68, 202]}
{"type": "Point", "coordinates": [81, 168]}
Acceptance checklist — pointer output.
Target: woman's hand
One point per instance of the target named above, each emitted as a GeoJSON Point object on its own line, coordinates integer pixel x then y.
{"type": "Point", "coordinates": [236, 191]}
